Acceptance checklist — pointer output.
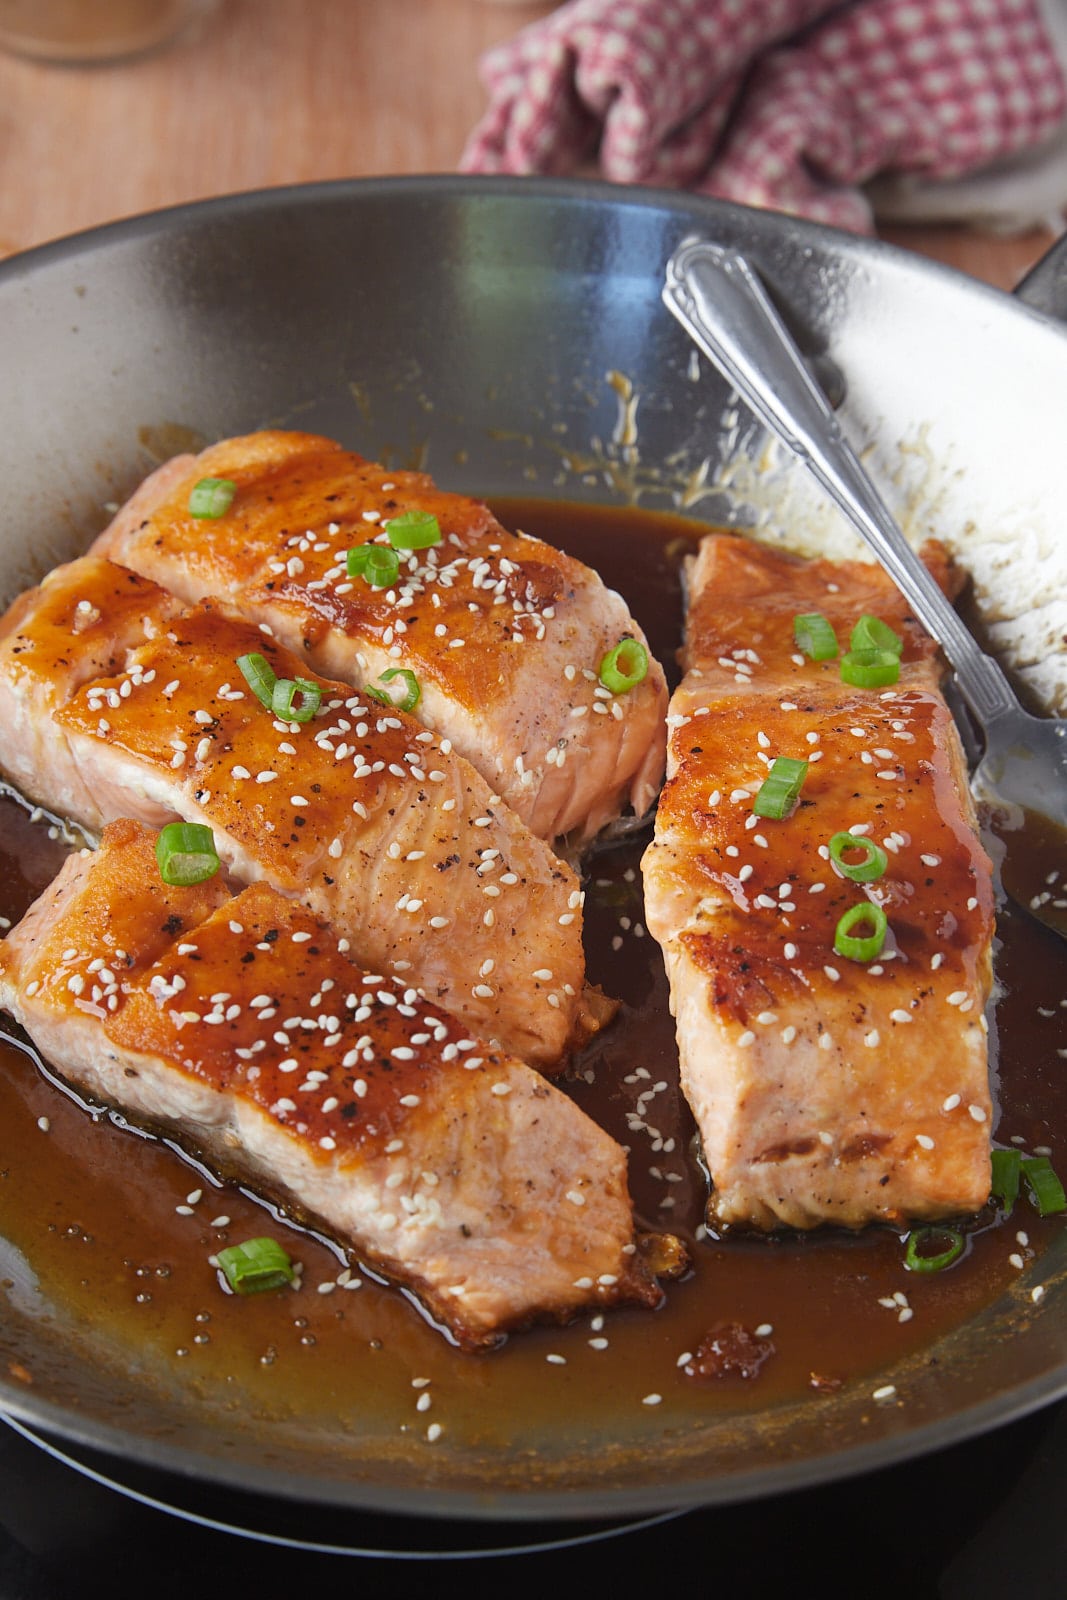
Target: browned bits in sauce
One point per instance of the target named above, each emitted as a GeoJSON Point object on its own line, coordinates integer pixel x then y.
{"type": "Point", "coordinates": [730, 1351]}
{"type": "Point", "coordinates": [842, 1307]}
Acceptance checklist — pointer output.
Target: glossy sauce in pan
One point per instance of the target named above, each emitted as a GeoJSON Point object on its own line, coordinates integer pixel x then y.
{"type": "Point", "coordinates": [118, 1227]}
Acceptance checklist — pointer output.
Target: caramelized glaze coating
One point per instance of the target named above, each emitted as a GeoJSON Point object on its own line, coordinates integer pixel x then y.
{"type": "Point", "coordinates": [825, 1089]}
{"type": "Point", "coordinates": [243, 1024]}
{"type": "Point", "coordinates": [504, 633]}
{"type": "Point", "coordinates": [120, 702]}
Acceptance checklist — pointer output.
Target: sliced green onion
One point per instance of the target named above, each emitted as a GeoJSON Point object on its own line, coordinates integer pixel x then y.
{"type": "Point", "coordinates": [874, 860]}
{"type": "Point", "coordinates": [284, 702]}
{"type": "Point", "coordinates": [259, 676]}
{"type": "Point", "coordinates": [211, 497]}
{"type": "Point", "coordinates": [1007, 1170]}
{"type": "Point", "coordinates": [871, 633]}
{"type": "Point", "coordinates": [870, 669]}
{"type": "Point", "coordinates": [412, 690]}
{"type": "Point", "coordinates": [186, 853]}
{"type": "Point", "coordinates": [413, 530]}
{"type": "Point", "coordinates": [624, 667]}
{"type": "Point", "coordinates": [256, 1266]}
{"type": "Point", "coordinates": [814, 635]}
{"type": "Point", "coordinates": [861, 947]}
{"type": "Point", "coordinates": [780, 789]}
{"type": "Point", "coordinates": [922, 1254]}
{"type": "Point", "coordinates": [1046, 1190]}
{"type": "Point", "coordinates": [375, 563]}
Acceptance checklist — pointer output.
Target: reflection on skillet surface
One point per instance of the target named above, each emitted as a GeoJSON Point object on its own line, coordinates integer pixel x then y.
{"type": "Point", "coordinates": [116, 1228]}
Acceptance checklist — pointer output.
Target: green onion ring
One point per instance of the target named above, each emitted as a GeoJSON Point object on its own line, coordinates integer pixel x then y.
{"type": "Point", "coordinates": [856, 947]}
{"type": "Point", "coordinates": [211, 497]}
{"type": "Point", "coordinates": [871, 633]}
{"type": "Point", "coordinates": [915, 1262]}
{"type": "Point", "coordinates": [413, 530]}
{"type": "Point", "coordinates": [780, 789]}
{"type": "Point", "coordinates": [414, 690]}
{"type": "Point", "coordinates": [259, 676]}
{"type": "Point", "coordinates": [866, 871]}
{"type": "Point", "coordinates": [255, 1266]}
{"type": "Point", "coordinates": [814, 636]}
{"type": "Point", "coordinates": [870, 669]}
{"type": "Point", "coordinates": [373, 562]}
{"type": "Point", "coordinates": [624, 666]}
{"type": "Point", "coordinates": [284, 702]}
{"type": "Point", "coordinates": [186, 853]}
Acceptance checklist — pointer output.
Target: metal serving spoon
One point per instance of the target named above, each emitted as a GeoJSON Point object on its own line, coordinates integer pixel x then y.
{"type": "Point", "coordinates": [717, 297]}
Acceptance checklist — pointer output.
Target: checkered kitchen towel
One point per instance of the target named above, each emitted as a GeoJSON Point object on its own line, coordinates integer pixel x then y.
{"type": "Point", "coordinates": [789, 104]}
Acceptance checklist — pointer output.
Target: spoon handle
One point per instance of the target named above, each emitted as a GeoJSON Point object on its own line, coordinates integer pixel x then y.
{"type": "Point", "coordinates": [718, 299]}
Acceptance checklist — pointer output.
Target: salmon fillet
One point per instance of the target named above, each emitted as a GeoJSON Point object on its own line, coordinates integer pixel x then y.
{"type": "Point", "coordinates": [118, 701]}
{"type": "Point", "coordinates": [243, 1026]}
{"type": "Point", "coordinates": [504, 633]}
{"type": "Point", "coordinates": [825, 1089]}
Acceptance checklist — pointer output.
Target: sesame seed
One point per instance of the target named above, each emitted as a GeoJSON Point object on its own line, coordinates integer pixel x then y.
{"type": "Point", "coordinates": [652, 1400]}
{"type": "Point", "coordinates": [886, 1392]}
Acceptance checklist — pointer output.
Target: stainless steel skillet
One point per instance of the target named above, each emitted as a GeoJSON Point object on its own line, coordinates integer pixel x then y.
{"type": "Point", "coordinates": [476, 325]}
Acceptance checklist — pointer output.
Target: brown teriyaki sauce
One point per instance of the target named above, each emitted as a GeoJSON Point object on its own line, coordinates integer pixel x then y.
{"type": "Point", "coordinates": [118, 1226]}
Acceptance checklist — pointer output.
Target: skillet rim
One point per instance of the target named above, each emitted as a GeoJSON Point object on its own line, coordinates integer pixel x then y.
{"type": "Point", "coordinates": [747, 1484]}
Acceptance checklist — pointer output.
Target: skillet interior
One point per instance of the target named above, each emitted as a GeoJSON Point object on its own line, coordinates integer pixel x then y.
{"type": "Point", "coordinates": [471, 327]}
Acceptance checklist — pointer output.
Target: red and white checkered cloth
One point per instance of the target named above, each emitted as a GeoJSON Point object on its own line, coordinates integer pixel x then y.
{"type": "Point", "coordinates": [789, 104]}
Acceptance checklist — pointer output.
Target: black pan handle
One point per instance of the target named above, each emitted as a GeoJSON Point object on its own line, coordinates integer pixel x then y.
{"type": "Point", "coordinates": [1045, 286]}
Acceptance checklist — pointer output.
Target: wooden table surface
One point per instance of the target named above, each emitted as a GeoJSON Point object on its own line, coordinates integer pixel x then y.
{"type": "Point", "coordinates": [265, 92]}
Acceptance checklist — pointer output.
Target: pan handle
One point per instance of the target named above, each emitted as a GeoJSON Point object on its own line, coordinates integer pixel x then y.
{"type": "Point", "coordinates": [1045, 286]}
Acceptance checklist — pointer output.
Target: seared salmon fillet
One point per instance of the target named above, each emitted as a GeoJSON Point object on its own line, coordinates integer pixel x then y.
{"type": "Point", "coordinates": [119, 701]}
{"type": "Point", "coordinates": [243, 1025]}
{"type": "Point", "coordinates": [505, 634]}
{"type": "Point", "coordinates": [826, 1089]}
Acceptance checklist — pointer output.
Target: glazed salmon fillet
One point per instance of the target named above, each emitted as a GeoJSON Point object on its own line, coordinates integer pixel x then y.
{"type": "Point", "coordinates": [505, 634]}
{"type": "Point", "coordinates": [119, 701]}
{"type": "Point", "coordinates": [826, 1089]}
{"type": "Point", "coordinates": [243, 1025]}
